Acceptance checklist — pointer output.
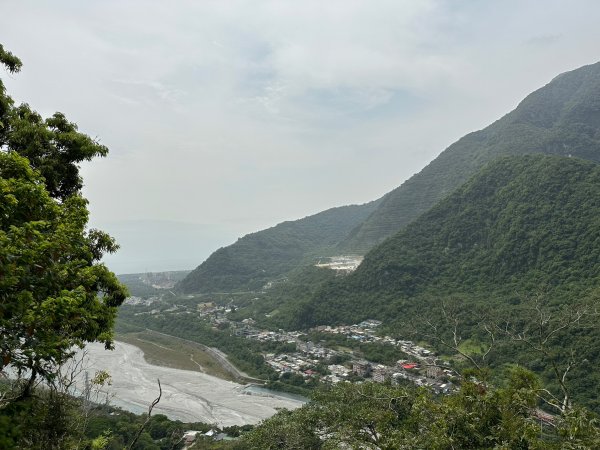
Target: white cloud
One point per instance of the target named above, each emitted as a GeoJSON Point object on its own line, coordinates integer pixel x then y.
{"type": "Point", "coordinates": [246, 113]}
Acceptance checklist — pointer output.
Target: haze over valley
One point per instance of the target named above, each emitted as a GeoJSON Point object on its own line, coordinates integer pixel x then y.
{"type": "Point", "coordinates": [269, 225]}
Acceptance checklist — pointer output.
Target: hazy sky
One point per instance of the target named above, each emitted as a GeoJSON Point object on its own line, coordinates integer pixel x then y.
{"type": "Point", "coordinates": [226, 117]}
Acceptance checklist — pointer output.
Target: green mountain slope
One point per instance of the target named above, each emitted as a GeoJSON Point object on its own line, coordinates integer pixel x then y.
{"type": "Point", "coordinates": [523, 230]}
{"type": "Point", "coordinates": [522, 224]}
{"type": "Point", "coordinates": [561, 118]}
{"type": "Point", "coordinates": [265, 255]}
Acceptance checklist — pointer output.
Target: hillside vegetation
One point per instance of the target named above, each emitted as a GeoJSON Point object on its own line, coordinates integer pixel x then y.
{"type": "Point", "coordinates": [260, 257]}
{"type": "Point", "coordinates": [523, 229]}
{"type": "Point", "coordinates": [531, 221]}
{"type": "Point", "coordinates": [523, 223]}
{"type": "Point", "coordinates": [561, 118]}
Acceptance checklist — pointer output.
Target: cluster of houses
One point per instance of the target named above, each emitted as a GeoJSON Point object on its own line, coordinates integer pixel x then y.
{"type": "Point", "coordinates": [189, 437]}
{"type": "Point", "coordinates": [420, 373]}
{"type": "Point", "coordinates": [429, 374]}
{"type": "Point", "coordinates": [420, 369]}
{"type": "Point", "coordinates": [365, 332]}
{"type": "Point", "coordinates": [140, 301]}
{"type": "Point", "coordinates": [292, 363]}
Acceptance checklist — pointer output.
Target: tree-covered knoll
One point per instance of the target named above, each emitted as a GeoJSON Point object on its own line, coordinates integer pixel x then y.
{"type": "Point", "coordinates": [266, 255]}
{"type": "Point", "coordinates": [376, 416]}
{"type": "Point", "coordinates": [561, 118]}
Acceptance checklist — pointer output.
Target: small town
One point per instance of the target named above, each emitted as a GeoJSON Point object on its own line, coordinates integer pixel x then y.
{"type": "Point", "coordinates": [310, 360]}
{"type": "Point", "coordinates": [420, 367]}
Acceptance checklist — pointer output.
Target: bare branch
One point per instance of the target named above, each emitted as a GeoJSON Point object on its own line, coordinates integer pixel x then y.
{"type": "Point", "coordinates": [150, 408]}
{"type": "Point", "coordinates": [537, 334]}
{"type": "Point", "coordinates": [490, 333]}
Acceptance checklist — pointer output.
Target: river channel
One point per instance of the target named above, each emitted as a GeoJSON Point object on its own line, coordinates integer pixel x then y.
{"type": "Point", "coordinates": [187, 396]}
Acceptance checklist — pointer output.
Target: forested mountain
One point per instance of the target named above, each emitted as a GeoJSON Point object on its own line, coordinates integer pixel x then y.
{"type": "Point", "coordinates": [522, 224]}
{"type": "Point", "coordinates": [522, 234]}
{"type": "Point", "coordinates": [265, 255]}
{"type": "Point", "coordinates": [561, 118]}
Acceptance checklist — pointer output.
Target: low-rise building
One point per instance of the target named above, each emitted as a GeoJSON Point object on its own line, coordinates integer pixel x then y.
{"type": "Point", "coordinates": [434, 372]}
{"type": "Point", "coordinates": [190, 436]}
{"type": "Point", "coordinates": [361, 368]}
{"type": "Point", "coordinates": [380, 374]}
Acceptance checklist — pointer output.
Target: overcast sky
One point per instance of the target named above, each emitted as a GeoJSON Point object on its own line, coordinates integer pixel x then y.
{"type": "Point", "coordinates": [226, 117]}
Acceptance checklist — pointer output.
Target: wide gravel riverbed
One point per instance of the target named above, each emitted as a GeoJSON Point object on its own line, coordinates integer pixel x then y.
{"type": "Point", "coordinates": [187, 396]}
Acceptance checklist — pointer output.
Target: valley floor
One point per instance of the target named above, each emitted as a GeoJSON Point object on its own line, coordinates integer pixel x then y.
{"type": "Point", "coordinates": [169, 351]}
{"type": "Point", "coordinates": [189, 396]}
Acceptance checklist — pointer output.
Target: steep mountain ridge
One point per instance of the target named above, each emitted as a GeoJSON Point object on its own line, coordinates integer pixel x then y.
{"type": "Point", "coordinates": [561, 118]}
{"type": "Point", "coordinates": [522, 234]}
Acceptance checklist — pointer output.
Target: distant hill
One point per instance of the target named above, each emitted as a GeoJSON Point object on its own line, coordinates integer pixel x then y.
{"type": "Point", "coordinates": [150, 284]}
{"type": "Point", "coordinates": [266, 255]}
{"type": "Point", "coordinates": [561, 118]}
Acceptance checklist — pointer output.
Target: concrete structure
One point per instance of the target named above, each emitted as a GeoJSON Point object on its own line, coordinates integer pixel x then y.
{"type": "Point", "coordinates": [361, 368]}
{"type": "Point", "coordinates": [380, 374]}
{"type": "Point", "coordinates": [434, 372]}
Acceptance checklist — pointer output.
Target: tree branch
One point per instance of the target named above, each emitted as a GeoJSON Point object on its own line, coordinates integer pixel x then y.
{"type": "Point", "coordinates": [150, 408]}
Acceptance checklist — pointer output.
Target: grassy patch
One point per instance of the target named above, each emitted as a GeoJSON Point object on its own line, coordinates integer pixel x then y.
{"type": "Point", "coordinates": [341, 348]}
{"type": "Point", "coordinates": [168, 352]}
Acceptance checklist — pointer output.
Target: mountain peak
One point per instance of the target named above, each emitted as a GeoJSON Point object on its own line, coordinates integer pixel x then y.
{"type": "Point", "coordinates": [561, 118]}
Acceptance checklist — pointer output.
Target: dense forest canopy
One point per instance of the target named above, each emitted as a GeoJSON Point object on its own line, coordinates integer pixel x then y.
{"type": "Point", "coordinates": [521, 224]}
{"type": "Point", "coordinates": [375, 416]}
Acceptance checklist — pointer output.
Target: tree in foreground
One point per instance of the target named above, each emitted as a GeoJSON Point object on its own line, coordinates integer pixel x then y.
{"type": "Point", "coordinates": [506, 408]}
{"type": "Point", "coordinates": [49, 275]}
{"type": "Point", "coordinates": [377, 416]}
{"type": "Point", "coordinates": [55, 294]}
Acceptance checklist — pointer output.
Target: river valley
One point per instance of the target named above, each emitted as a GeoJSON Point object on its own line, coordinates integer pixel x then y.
{"type": "Point", "coordinates": [187, 395]}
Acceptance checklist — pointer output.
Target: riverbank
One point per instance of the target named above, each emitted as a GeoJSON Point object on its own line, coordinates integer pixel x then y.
{"type": "Point", "coordinates": [188, 396]}
{"type": "Point", "coordinates": [167, 351]}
